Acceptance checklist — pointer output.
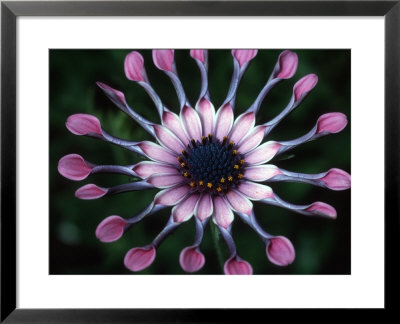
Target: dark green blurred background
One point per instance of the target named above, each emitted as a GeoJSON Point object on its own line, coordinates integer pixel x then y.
{"type": "Point", "coordinates": [322, 245]}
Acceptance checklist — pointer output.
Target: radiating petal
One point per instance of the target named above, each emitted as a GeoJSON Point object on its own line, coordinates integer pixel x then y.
{"type": "Point", "coordinates": [185, 209]}
{"type": "Point", "coordinates": [139, 258]}
{"type": "Point", "coordinates": [83, 124]}
{"type": "Point", "coordinates": [237, 266]}
{"type": "Point", "coordinates": [304, 85]}
{"type": "Point", "coordinates": [204, 207]}
{"type": "Point", "coordinates": [90, 191]}
{"type": "Point", "coordinates": [222, 215]}
{"type": "Point", "coordinates": [147, 168]}
{"type": "Point", "coordinates": [224, 121]}
{"type": "Point", "coordinates": [133, 66]}
{"type": "Point", "coordinates": [244, 56]}
{"type": "Point", "coordinates": [239, 202]}
{"type": "Point", "coordinates": [287, 65]}
{"type": "Point", "coordinates": [163, 59]}
{"type": "Point", "coordinates": [117, 96]}
{"type": "Point", "coordinates": [280, 251]}
{"type": "Point", "coordinates": [255, 191]}
{"type": "Point", "coordinates": [197, 54]}
{"type": "Point", "coordinates": [73, 167]}
{"type": "Point", "coordinates": [111, 229]}
{"type": "Point", "coordinates": [191, 121]}
{"type": "Point", "coordinates": [171, 196]}
{"type": "Point", "coordinates": [206, 113]}
{"type": "Point", "coordinates": [165, 180]}
{"type": "Point", "coordinates": [252, 140]}
{"type": "Point", "coordinates": [263, 153]}
{"type": "Point", "coordinates": [168, 139]}
{"type": "Point", "coordinates": [337, 179]}
{"type": "Point", "coordinates": [261, 172]}
{"type": "Point", "coordinates": [157, 153]}
{"type": "Point", "coordinates": [243, 124]}
{"type": "Point", "coordinates": [191, 259]}
{"type": "Point", "coordinates": [173, 122]}
{"type": "Point", "coordinates": [322, 209]}
{"type": "Point", "coordinates": [331, 123]}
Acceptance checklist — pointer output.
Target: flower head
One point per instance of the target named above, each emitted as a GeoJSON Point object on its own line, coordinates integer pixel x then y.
{"type": "Point", "coordinates": [206, 163]}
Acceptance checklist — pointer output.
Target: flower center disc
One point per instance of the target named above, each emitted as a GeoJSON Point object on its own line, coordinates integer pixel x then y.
{"type": "Point", "coordinates": [211, 165]}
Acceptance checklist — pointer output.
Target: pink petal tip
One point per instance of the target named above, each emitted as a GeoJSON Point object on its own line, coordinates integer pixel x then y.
{"type": "Point", "coordinates": [304, 85]}
{"type": "Point", "coordinates": [331, 123]}
{"type": "Point", "coordinates": [83, 124]}
{"type": "Point", "coordinates": [191, 259]}
{"type": "Point", "coordinates": [90, 191]}
{"type": "Point", "coordinates": [280, 251]}
{"type": "Point", "coordinates": [322, 209]}
{"type": "Point", "coordinates": [287, 65]}
{"type": "Point", "coordinates": [111, 229]}
{"type": "Point", "coordinates": [73, 167]}
{"type": "Point", "coordinates": [197, 54]}
{"type": "Point", "coordinates": [133, 66]}
{"type": "Point", "coordinates": [163, 59]}
{"type": "Point", "coordinates": [237, 266]}
{"type": "Point", "coordinates": [337, 179]}
{"type": "Point", "coordinates": [244, 56]}
{"type": "Point", "coordinates": [139, 258]}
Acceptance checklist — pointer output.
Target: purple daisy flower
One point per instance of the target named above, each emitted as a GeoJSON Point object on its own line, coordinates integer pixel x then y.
{"type": "Point", "coordinates": [208, 164]}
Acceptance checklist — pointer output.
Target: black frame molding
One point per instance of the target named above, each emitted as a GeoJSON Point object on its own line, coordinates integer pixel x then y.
{"type": "Point", "coordinates": [10, 10]}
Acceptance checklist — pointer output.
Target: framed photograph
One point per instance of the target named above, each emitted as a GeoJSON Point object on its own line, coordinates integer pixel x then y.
{"type": "Point", "coordinates": [198, 149]}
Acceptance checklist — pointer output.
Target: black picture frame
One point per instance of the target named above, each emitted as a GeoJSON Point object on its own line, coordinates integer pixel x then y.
{"type": "Point", "coordinates": [11, 10]}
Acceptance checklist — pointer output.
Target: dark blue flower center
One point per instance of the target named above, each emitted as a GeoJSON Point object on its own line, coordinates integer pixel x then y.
{"type": "Point", "coordinates": [211, 165]}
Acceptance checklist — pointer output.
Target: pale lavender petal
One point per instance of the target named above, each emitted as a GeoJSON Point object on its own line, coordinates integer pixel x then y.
{"type": "Point", "coordinates": [255, 191]}
{"type": "Point", "coordinates": [133, 66]}
{"type": "Point", "coordinates": [337, 179]}
{"type": "Point", "coordinates": [191, 259]}
{"type": "Point", "coordinates": [111, 229]}
{"type": "Point", "coordinates": [191, 121]}
{"type": "Point", "coordinates": [147, 168]}
{"type": "Point", "coordinates": [165, 180]}
{"type": "Point", "coordinates": [237, 266]}
{"type": "Point", "coordinates": [197, 54]}
{"type": "Point", "coordinates": [118, 98]}
{"type": "Point", "coordinates": [185, 209]}
{"type": "Point", "coordinates": [244, 56]}
{"type": "Point", "coordinates": [204, 207]}
{"type": "Point", "coordinates": [139, 258]}
{"type": "Point", "coordinates": [315, 209]}
{"type": "Point", "coordinates": [287, 65]}
{"type": "Point", "coordinates": [223, 215]}
{"type": "Point", "coordinates": [331, 123]}
{"type": "Point", "coordinates": [171, 196]}
{"type": "Point", "coordinates": [206, 113]}
{"type": "Point", "coordinates": [157, 153]}
{"type": "Point", "coordinates": [168, 139]}
{"type": "Point", "coordinates": [280, 251]}
{"type": "Point", "coordinates": [163, 59]}
{"type": "Point", "coordinates": [224, 121]}
{"type": "Point", "coordinates": [261, 172]}
{"type": "Point", "coordinates": [90, 191]}
{"type": "Point", "coordinates": [252, 140]}
{"type": "Point", "coordinates": [173, 122]}
{"type": "Point", "coordinates": [263, 153]}
{"type": "Point", "coordinates": [304, 85]}
{"type": "Point", "coordinates": [83, 124]}
{"type": "Point", "coordinates": [243, 124]}
{"type": "Point", "coordinates": [73, 167]}
{"type": "Point", "coordinates": [239, 202]}
{"type": "Point", "coordinates": [326, 124]}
